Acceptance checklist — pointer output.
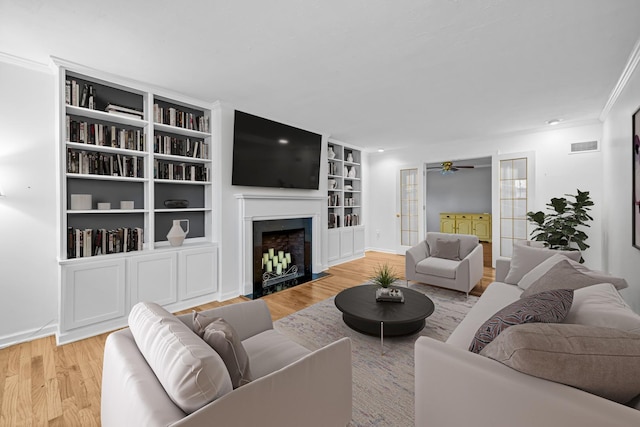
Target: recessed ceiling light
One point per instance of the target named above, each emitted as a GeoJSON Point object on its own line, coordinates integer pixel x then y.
{"type": "Point", "coordinates": [283, 141]}
{"type": "Point", "coordinates": [380, 150]}
{"type": "Point", "coordinates": [553, 122]}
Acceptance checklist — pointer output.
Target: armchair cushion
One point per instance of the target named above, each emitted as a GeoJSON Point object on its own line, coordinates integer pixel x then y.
{"type": "Point", "coordinates": [438, 267]}
{"type": "Point", "coordinates": [190, 371]}
{"type": "Point", "coordinates": [468, 242]}
{"type": "Point", "coordinates": [221, 336]}
{"type": "Point", "coordinates": [270, 351]}
{"type": "Point", "coordinates": [447, 249]}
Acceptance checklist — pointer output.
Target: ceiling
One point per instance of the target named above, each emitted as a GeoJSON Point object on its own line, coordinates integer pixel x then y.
{"type": "Point", "coordinates": [375, 73]}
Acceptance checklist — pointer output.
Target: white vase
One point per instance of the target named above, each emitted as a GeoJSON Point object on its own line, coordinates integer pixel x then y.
{"type": "Point", "coordinates": [330, 153]}
{"type": "Point", "coordinates": [349, 157]}
{"type": "Point", "coordinates": [352, 172]}
{"type": "Point", "coordinates": [176, 234]}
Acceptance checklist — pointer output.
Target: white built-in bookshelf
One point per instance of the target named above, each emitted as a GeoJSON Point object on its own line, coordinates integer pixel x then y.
{"type": "Point", "coordinates": [132, 160]}
{"type": "Point", "coordinates": [344, 202]}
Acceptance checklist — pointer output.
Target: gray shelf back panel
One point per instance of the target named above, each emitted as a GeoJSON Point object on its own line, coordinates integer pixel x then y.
{"type": "Point", "coordinates": [107, 191]}
{"type": "Point", "coordinates": [105, 95]}
{"type": "Point", "coordinates": [164, 222]}
{"type": "Point", "coordinates": [106, 221]}
{"type": "Point", "coordinates": [193, 193]}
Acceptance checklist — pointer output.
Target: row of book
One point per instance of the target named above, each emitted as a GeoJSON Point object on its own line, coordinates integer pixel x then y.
{"type": "Point", "coordinates": [334, 200]}
{"type": "Point", "coordinates": [164, 144]}
{"type": "Point", "coordinates": [80, 95]}
{"type": "Point", "coordinates": [95, 163]}
{"type": "Point", "coordinates": [180, 171]}
{"type": "Point", "coordinates": [89, 242]}
{"type": "Point", "coordinates": [105, 135]}
{"type": "Point", "coordinates": [350, 220]}
{"type": "Point", "coordinates": [183, 119]}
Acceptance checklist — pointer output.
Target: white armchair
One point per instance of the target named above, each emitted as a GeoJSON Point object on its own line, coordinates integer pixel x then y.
{"type": "Point", "coordinates": [426, 264]}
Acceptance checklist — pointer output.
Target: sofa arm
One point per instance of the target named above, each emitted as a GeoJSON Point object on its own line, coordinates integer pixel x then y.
{"type": "Point", "coordinates": [502, 268]}
{"type": "Point", "coordinates": [314, 391]}
{"type": "Point", "coordinates": [247, 318]}
{"type": "Point", "coordinates": [413, 256]}
{"type": "Point", "coordinates": [454, 387]}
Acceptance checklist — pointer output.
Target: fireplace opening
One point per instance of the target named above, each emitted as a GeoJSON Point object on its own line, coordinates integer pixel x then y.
{"type": "Point", "coordinates": [281, 254]}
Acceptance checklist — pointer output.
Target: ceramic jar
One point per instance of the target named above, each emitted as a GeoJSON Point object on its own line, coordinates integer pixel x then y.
{"type": "Point", "coordinates": [177, 234]}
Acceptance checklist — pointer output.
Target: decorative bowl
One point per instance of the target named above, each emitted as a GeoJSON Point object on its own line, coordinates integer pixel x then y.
{"type": "Point", "coordinates": [175, 204]}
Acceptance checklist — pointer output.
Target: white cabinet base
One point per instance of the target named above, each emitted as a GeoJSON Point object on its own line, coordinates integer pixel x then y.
{"type": "Point", "coordinates": [345, 244]}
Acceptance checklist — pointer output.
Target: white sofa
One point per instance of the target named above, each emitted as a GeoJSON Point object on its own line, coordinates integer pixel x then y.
{"type": "Point", "coordinates": [423, 266]}
{"type": "Point", "coordinates": [292, 385]}
{"type": "Point", "coordinates": [455, 387]}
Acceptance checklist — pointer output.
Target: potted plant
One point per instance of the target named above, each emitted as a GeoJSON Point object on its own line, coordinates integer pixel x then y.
{"type": "Point", "coordinates": [384, 276]}
{"type": "Point", "coordinates": [561, 228]}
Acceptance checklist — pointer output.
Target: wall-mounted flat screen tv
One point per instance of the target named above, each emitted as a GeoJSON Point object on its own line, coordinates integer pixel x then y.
{"type": "Point", "coordinates": [272, 154]}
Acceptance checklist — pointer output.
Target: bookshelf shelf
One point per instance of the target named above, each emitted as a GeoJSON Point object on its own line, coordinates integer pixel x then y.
{"type": "Point", "coordinates": [112, 258]}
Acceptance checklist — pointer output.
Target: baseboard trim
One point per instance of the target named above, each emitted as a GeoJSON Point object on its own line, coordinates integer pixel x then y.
{"type": "Point", "coordinates": [26, 336]}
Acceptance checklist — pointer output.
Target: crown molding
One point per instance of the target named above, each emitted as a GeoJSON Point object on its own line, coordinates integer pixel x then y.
{"type": "Point", "coordinates": [25, 63]}
{"type": "Point", "coordinates": [632, 63]}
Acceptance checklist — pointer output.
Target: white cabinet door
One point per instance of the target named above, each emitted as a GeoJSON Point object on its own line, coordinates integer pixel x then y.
{"type": "Point", "coordinates": [358, 240]}
{"type": "Point", "coordinates": [153, 278]}
{"type": "Point", "coordinates": [197, 272]}
{"type": "Point", "coordinates": [334, 244]}
{"type": "Point", "coordinates": [92, 292]}
{"type": "Point", "coordinates": [346, 242]}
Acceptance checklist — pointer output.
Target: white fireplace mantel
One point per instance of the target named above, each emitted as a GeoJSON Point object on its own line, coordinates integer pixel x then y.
{"type": "Point", "coordinates": [258, 207]}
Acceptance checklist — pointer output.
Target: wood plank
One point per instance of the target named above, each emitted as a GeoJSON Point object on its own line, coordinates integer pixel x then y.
{"type": "Point", "coordinates": [43, 384]}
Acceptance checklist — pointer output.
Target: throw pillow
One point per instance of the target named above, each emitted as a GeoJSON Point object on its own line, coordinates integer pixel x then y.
{"type": "Point", "coordinates": [447, 249]}
{"type": "Point", "coordinates": [602, 361]}
{"type": "Point", "coordinates": [602, 305]}
{"type": "Point", "coordinates": [221, 336]}
{"type": "Point", "coordinates": [190, 371]}
{"type": "Point", "coordinates": [547, 307]}
{"type": "Point", "coordinates": [524, 258]}
{"type": "Point", "coordinates": [560, 276]}
{"type": "Point", "coordinates": [542, 268]}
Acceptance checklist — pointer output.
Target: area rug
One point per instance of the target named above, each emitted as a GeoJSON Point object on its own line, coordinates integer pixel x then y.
{"type": "Point", "coordinates": [383, 384]}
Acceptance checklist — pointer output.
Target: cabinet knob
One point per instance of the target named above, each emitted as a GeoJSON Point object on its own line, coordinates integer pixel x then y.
{"type": "Point", "coordinates": [397, 215]}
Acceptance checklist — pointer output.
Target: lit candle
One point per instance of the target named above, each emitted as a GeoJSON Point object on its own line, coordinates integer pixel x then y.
{"type": "Point", "coordinates": [279, 269]}
{"type": "Point", "coordinates": [269, 267]}
{"type": "Point", "coordinates": [284, 264]}
{"type": "Point", "coordinates": [280, 255]}
{"type": "Point", "coordinates": [288, 256]}
{"type": "Point", "coordinates": [270, 253]}
{"type": "Point", "coordinates": [265, 257]}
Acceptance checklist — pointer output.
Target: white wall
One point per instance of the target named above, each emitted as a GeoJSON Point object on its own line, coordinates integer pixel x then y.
{"type": "Point", "coordinates": [621, 258]}
{"type": "Point", "coordinates": [28, 287]}
{"type": "Point", "coordinates": [556, 172]}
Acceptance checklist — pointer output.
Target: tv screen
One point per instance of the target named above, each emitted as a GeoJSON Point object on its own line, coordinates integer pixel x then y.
{"type": "Point", "coordinates": [272, 154]}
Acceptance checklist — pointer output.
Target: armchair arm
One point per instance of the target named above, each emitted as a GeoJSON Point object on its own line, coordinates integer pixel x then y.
{"type": "Point", "coordinates": [476, 265]}
{"type": "Point", "coordinates": [315, 391]}
{"type": "Point", "coordinates": [496, 395]}
{"type": "Point", "coordinates": [413, 256]}
{"type": "Point", "coordinates": [502, 268]}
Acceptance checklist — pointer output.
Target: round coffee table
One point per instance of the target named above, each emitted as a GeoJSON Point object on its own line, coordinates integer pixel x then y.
{"type": "Point", "coordinates": [361, 311]}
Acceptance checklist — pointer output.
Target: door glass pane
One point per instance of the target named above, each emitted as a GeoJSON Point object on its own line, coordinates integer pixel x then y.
{"type": "Point", "coordinates": [409, 207]}
{"type": "Point", "coordinates": [513, 203]}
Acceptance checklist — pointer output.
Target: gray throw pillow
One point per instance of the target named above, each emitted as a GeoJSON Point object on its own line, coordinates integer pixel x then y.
{"type": "Point", "coordinates": [602, 361]}
{"type": "Point", "coordinates": [561, 276]}
{"type": "Point", "coordinates": [525, 258]}
{"type": "Point", "coordinates": [546, 307]}
{"type": "Point", "coordinates": [447, 249]}
{"type": "Point", "coordinates": [221, 336]}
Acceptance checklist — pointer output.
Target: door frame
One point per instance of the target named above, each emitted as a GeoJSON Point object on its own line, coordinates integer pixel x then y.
{"type": "Point", "coordinates": [421, 178]}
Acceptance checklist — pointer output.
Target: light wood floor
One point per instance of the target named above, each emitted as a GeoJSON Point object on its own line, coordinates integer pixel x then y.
{"type": "Point", "coordinates": [42, 384]}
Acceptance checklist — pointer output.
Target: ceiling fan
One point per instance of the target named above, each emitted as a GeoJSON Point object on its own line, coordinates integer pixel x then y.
{"type": "Point", "coordinates": [447, 168]}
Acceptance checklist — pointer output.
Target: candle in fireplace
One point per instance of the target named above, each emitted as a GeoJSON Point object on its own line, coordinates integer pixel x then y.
{"type": "Point", "coordinates": [269, 267]}
{"type": "Point", "coordinates": [270, 253]}
{"type": "Point", "coordinates": [288, 257]}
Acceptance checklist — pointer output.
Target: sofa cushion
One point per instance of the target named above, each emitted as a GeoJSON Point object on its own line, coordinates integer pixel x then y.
{"type": "Point", "coordinates": [496, 296]}
{"type": "Point", "coordinates": [447, 249]}
{"type": "Point", "coordinates": [547, 307]}
{"type": "Point", "coordinates": [602, 305]}
{"type": "Point", "coordinates": [221, 336]}
{"type": "Point", "coordinates": [602, 361]}
{"type": "Point", "coordinates": [525, 258]}
{"type": "Point", "coordinates": [190, 371]}
{"type": "Point", "coordinates": [560, 276]}
{"type": "Point", "coordinates": [440, 267]}
{"type": "Point", "coordinates": [270, 350]}
{"type": "Point", "coordinates": [543, 268]}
